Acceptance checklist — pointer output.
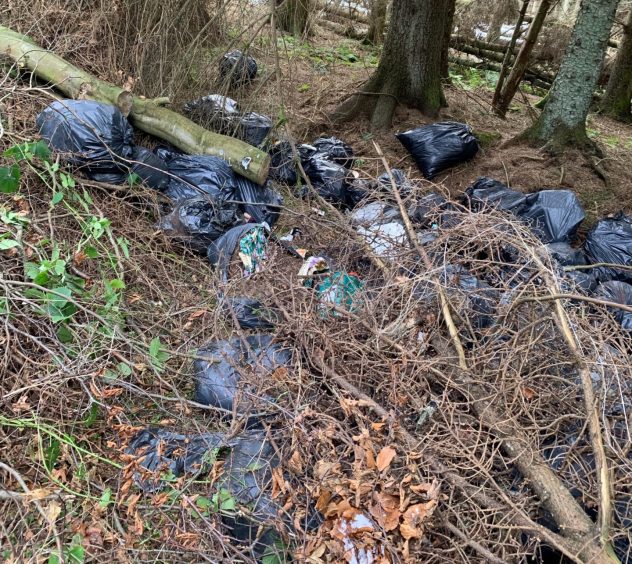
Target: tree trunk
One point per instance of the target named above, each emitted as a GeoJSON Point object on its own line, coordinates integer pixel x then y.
{"type": "Point", "coordinates": [377, 21]}
{"type": "Point", "coordinates": [510, 51]}
{"type": "Point", "coordinates": [505, 11]}
{"type": "Point", "coordinates": [616, 100]}
{"type": "Point", "coordinates": [522, 60]}
{"type": "Point", "coordinates": [447, 37]}
{"type": "Point", "coordinates": [410, 68]}
{"type": "Point", "coordinates": [563, 121]}
{"type": "Point", "coordinates": [146, 115]}
{"type": "Point", "coordinates": [293, 16]}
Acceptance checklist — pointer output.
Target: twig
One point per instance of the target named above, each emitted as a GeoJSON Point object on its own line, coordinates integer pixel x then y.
{"type": "Point", "coordinates": [558, 297]}
{"type": "Point", "coordinates": [597, 265]}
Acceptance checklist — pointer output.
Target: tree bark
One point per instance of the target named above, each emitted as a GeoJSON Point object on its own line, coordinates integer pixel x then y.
{"type": "Point", "coordinates": [293, 16]}
{"type": "Point", "coordinates": [616, 100]}
{"type": "Point", "coordinates": [509, 89]}
{"type": "Point", "coordinates": [447, 37]}
{"type": "Point", "coordinates": [563, 121]}
{"type": "Point", "coordinates": [410, 68]}
{"type": "Point", "coordinates": [146, 115]}
{"type": "Point", "coordinates": [377, 21]}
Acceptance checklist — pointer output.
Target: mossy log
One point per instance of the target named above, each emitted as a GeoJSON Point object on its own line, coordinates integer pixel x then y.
{"type": "Point", "coordinates": [147, 115]}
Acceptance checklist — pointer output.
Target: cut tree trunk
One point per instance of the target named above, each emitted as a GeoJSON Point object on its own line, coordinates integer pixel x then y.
{"type": "Point", "coordinates": [377, 21]}
{"type": "Point", "coordinates": [563, 121]}
{"type": "Point", "coordinates": [616, 100]}
{"type": "Point", "coordinates": [510, 87]}
{"type": "Point", "coordinates": [293, 16]}
{"type": "Point", "coordinates": [410, 68]}
{"type": "Point", "coordinates": [146, 115]}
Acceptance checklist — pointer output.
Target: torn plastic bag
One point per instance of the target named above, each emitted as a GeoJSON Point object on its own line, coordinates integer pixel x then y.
{"type": "Point", "coordinates": [553, 215]}
{"type": "Point", "coordinates": [357, 189]}
{"type": "Point", "coordinates": [261, 203]}
{"type": "Point", "coordinates": [217, 380]}
{"type": "Point", "coordinates": [585, 281]}
{"type": "Point", "coordinates": [94, 137]}
{"type": "Point", "coordinates": [610, 241]}
{"type": "Point", "coordinates": [167, 454]}
{"type": "Point", "coordinates": [282, 165]}
{"type": "Point", "coordinates": [426, 209]}
{"type": "Point", "coordinates": [374, 213]}
{"type": "Point", "coordinates": [404, 187]}
{"type": "Point", "coordinates": [566, 255]}
{"type": "Point", "coordinates": [621, 293]}
{"type": "Point", "coordinates": [336, 150]}
{"type": "Point", "coordinates": [150, 168]}
{"type": "Point", "coordinates": [488, 192]}
{"type": "Point", "coordinates": [251, 239]}
{"type": "Point", "coordinates": [199, 175]}
{"type": "Point", "coordinates": [238, 67]}
{"type": "Point", "coordinates": [250, 313]}
{"type": "Point", "coordinates": [252, 128]}
{"type": "Point", "coordinates": [197, 222]}
{"type": "Point", "coordinates": [384, 238]}
{"type": "Point", "coordinates": [439, 146]}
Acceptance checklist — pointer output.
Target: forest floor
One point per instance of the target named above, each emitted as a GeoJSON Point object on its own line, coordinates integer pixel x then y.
{"type": "Point", "coordinates": [65, 425]}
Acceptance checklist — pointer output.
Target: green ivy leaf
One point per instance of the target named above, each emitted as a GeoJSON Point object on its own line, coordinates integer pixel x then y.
{"type": "Point", "coordinates": [9, 179]}
{"type": "Point", "coordinates": [6, 244]}
{"type": "Point", "coordinates": [57, 197]}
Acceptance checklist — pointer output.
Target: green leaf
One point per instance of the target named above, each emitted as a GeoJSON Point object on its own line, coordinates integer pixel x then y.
{"type": "Point", "coordinates": [51, 454]}
{"type": "Point", "coordinates": [53, 558]}
{"type": "Point", "coordinates": [76, 554]}
{"type": "Point", "coordinates": [9, 179]}
{"type": "Point", "coordinates": [6, 244]}
{"type": "Point", "coordinates": [57, 197]}
{"type": "Point", "coordinates": [105, 498]}
{"type": "Point", "coordinates": [63, 334]}
{"type": "Point", "coordinates": [91, 252]}
{"type": "Point", "coordinates": [123, 244]}
{"type": "Point", "coordinates": [124, 369]}
{"type": "Point", "coordinates": [203, 502]}
{"type": "Point", "coordinates": [67, 181]}
{"type": "Point", "coordinates": [154, 347]}
{"type": "Point", "coordinates": [117, 284]}
{"type": "Point", "coordinates": [29, 150]}
{"type": "Point", "coordinates": [93, 415]}
{"type": "Point", "coordinates": [4, 305]}
{"type": "Point", "coordinates": [133, 179]}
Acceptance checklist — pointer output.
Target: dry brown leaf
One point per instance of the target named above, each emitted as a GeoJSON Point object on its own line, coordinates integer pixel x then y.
{"type": "Point", "coordinates": [134, 298]}
{"type": "Point", "coordinates": [323, 500]}
{"type": "Point", "coordinates": [528, 393]}
{"type": "Point", "coordinates": [53, 510]}
{"type": "Point", "coordinates": [132, 500]}
{"type": "Point", "coordinates": [139, 525]}
{"type": "Point", "coordinates": [196, 314]}
{"type": "Point", "coordinates": [295, 463]}
{"type": "Point", "coordinates": [378, 426]}
{"type": "Point", "coordinates": [432, 490]}
{"type": "Point", "coordinates": [21, 405]}
{"type": "Point", "coordinates": [386, 510]}
{"type": "Point", "coordinates": [414, 517]}
{"type": "Point", "coordinates": [370, 458]}
{"type": "Point", "coordinates": [385, 457]}
{"type": "Point", "coordinates": [38, 493]}
{"type": "Point", "coordinates": [278, 482]}
{"type": "Point", "coordinates": [323, 469]}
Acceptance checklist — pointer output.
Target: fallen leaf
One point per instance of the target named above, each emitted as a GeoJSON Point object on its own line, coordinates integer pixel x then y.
{"type": "Point", "coordinates": [378, 426]}
{"type": "Point", "coordinates": [196, 314]}
{"type": "Point", "coordinates": [53, 510]}
{"type": "Point", "coordinates": [370, 458]}
{"type": "Point", "coordinates": [133, 298]}
{"type": "Point", "coordinates": [38, 493]}
{"type": "Point", "coordinates": [414, 517]}
{"type": "Point", "coordinates": [132, 500]}
{"type": "Point", "coordinates": [528, 393]}
{"type": "Point", "coordinates": [386, 510]}
{"type": "Point", "coordinates": [323, 500]}
{"type": "Point", "coordinates": [432, 490]}
{"type": "Point", "coordinates": [279, 484]}
{"type": "Point", "coordinates": [295, 463]}
{"type": "Point", "coordinates": [21, 405]}
{"type": "Point", "coordinates": [385, 457]}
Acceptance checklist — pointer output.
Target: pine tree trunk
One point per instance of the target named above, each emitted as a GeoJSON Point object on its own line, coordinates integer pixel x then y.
{"type": "Point", "coordinates": [448, 28]}
{"type": "Point", "coordinates": [293, 16]}
{"type": "Point", "coordinates": [508, 91]}
{"type": "Point", "coordinates": [410, 68]}
{"type": "Point", "coordinates": [377, 21]}
{"type": "Point", "coordinates": [563, 121]}
{"type": "Point", "coordinates": [616, 101]}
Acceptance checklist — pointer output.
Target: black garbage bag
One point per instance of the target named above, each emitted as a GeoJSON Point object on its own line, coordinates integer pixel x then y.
{"type": "Point", "coordinates": [439, 146]}
{"type": "Point", "coordinates": [250, 313]}
{"type": "Point", "coordinates": [238, 68]}
{"type": "Point", "coordinates": [221, 250]}
{"type": "Point", "coordinates": [94, 137]}
{"type": "Point", "coordinates": [565, 255]}
{"type": "Point", "coordinates": [196, 222]}
{"type": "Point", "coordinates": [328, 178]}
{"type": "Point", "coordinates": [486, 192]}
{"type": "Point", "coordinates": [252, 128]}
{"type": "Point", "coordinates": [212, 112]}
{"type": "Point", "coordinates": [261, 203]}
{"type": "Point", "coordinates": [217, 380]}
{"type": "Point", "coordinates": [610, 241]}
{"type": "Point", "coordinates": [282, 165]}
{"type": "Point", "coordinates": [150, 168]}
{"type": "Point", "coordinates": [621, 293]}
{"type": "Point", "coordinates": [168, 453]}
{"type": "Point", "coordinates": [200, 175]}
{"type": "Point", "coordinates": [425, 209]}
{"type": "Point", "coordinates": [401, 181]}
{"type": "Point", "coordinates": [553, 215]}
{"type": "Point", "coordinates": [336, 150]}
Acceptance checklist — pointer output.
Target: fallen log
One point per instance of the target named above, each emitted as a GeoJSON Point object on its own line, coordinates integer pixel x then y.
{"type": "Point", "coordinates": [353, 32]}
{"type": "Point", "coordinates": [534, 79]}
{"type": "Point", "coordinates": [147, 115]}
{"type": "Point", "coordinates": [348, 12]}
